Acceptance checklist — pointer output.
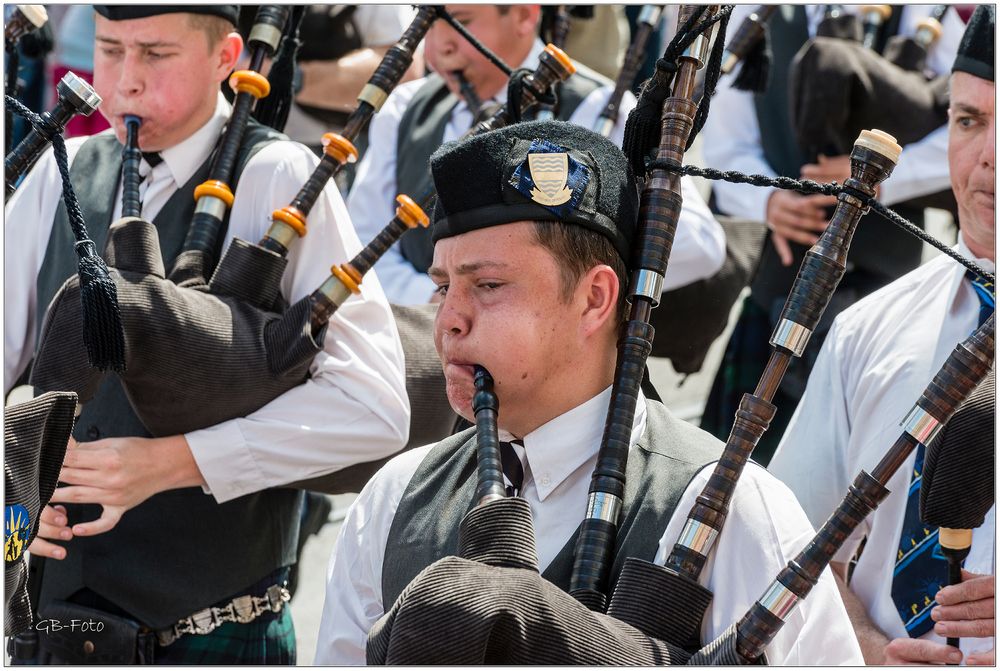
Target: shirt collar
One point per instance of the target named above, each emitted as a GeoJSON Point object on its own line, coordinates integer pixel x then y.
{"type": "Point", "coordinates": [963, 249]}
{"type": "Point", "coordinates": [560, 446]}
{"type": "Point", "coordinates": [185, 157]}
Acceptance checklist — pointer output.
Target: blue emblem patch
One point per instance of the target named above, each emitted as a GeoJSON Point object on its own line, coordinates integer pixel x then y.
{"type": "Point", "coordinates": [550, 177]}
{"type": "Point", "coordinates": [16, 531]}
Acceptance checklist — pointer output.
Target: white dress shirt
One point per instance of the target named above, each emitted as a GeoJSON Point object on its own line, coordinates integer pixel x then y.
{"type": "Point", "coordinates": [765, 529]}
{"type": "Point", "coordinates": [699, 246]}
{"type": "Point", "coordinates": [353, 407]}
{"type": "Point", "coordinates": [733, 135]}
{"type": "Point", "coordinates": [879, 356]}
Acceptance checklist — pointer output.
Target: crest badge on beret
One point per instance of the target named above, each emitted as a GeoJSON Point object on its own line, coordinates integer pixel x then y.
{"type": "Point", "coordinates": [16, 531]}
{"type": "Point", "coordinates": [549, 173]}
{"type": "Point", "coordinates": [550, 177]}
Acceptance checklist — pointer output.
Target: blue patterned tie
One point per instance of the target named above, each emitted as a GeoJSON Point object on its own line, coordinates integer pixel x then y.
{"type": "Point", "coordinates": [920, 565]}
{"type": "Point", "coordinates": [984, 290]}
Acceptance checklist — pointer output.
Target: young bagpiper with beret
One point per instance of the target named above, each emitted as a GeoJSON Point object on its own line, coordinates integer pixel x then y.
{"type": "Point", "coordinates": [532, 233]}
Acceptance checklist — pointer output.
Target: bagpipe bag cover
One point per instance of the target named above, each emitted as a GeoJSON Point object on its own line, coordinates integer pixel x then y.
{"type": "Point", "coordinates": [35, 435]}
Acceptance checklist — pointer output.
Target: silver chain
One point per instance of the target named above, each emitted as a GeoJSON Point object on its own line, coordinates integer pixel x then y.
{"type": "Point", "coordinates": [242, 609]}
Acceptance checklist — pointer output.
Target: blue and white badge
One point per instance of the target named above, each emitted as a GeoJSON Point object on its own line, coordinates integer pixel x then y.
{"type": "Point", "coordinates": [550, 177]}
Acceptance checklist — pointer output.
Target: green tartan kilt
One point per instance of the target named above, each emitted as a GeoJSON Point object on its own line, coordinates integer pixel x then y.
{"type": "Point", "coordinates": [270, 639]}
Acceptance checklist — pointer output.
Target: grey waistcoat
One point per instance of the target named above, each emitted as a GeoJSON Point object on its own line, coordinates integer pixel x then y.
{"type": "Point", "coordinates": [660, 467]}
{"type": "Point", "coordinates": [179, 551]}
{"type": "Point", "coordinates": [879, 248]}
{"type": "Point", "coordinates": [421, 132]}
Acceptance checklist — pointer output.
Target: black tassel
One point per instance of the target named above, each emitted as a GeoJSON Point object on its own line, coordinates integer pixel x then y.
{"type": "Point", "coordinates": [642, 127]}
{"type": "Point", "coordinates": [38, 43]}
{"type": "Point", "coordinates": [273, 110]}
{"type": "Point", "coordinates": [103, 333]}
{"type": "Point", "coordinates": [756, 69]}
{"type": "Point", "coordinates": [642, 132]}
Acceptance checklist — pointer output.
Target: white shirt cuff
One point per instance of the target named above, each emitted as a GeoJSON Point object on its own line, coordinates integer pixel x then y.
{"type": "Point", "coordinates": [225, 461]}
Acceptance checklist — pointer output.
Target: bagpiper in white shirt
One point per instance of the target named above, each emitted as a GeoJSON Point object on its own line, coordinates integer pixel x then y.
{"type": "Point", "coordinates": [353, 408]}
{"type": "Point", "coordinates": [879, 356]}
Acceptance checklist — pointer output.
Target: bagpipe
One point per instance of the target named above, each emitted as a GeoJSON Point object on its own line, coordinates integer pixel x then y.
{"type": "Point", "coordinates": [35, 435]}
{"type": "Point", "coordinates": [839, 84]}
{"type": "Point", "coordinates": [489, 604]}
{"type": "Point", "coordinates": [555, 24]}
{"type": "Point", "coordinates": [966, 367]}
{"type": "Point", "coordinates": [957, 483]}
{"type": "Point", "coordinates": [749, 45]}
{"type": "Point", "coordinates": [499, 611]}
{"type": "Point", "coordinates": [480, 111]}
{"type": "Point", "coordinates": [194, 335]}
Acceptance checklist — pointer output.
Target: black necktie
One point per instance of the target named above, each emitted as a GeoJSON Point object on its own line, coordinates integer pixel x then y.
{"type": "Point", "coordinates": [153, 158]}
{"type": "Point", "coordinates": [512, 467]}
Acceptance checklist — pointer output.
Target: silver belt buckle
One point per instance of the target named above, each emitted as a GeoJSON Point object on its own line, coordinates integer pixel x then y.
{"type": "Point", "coordinates": [204, 621]}
{"type": "Point", "coordinates": [243, 609]}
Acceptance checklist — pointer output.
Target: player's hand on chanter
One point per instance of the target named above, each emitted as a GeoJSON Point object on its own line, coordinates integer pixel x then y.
{"type": "Point", "coordinates": [828, 169]}
{"type": "Point", "coordinates": [967, 610]}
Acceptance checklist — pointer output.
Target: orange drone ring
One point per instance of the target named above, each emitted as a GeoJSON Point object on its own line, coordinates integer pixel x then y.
{"type": "Point", "coordinates": [339, 148]}
{"type": "Point", "coordinates": [410, 213]}
{"type": "Point", "coordinates": [248, 81]}
{"type": "Point", "coordinates": [345, 279]}
{"type": "Point", "coordinates": [215, 189]}
{"type": "Point", "coordinates": [292, 217]}
{"type": "Point", "coordinates": [560, 56]}
{"type": "Point", "coordinates": [352, 271]}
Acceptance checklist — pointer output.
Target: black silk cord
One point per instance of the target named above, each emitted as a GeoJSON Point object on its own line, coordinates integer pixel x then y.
{"type": "Point", "coordinates": [829, 189]}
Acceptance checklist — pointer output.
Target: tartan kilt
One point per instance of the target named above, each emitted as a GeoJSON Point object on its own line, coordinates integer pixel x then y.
{"type": "Point", "coordinates": [268, 640]}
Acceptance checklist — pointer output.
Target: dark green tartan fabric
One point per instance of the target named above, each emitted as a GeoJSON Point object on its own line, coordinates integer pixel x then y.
{"type": "Point", "coordinates": [270, 639]}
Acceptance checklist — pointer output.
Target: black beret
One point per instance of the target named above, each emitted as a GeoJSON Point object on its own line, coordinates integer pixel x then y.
{"type": "Point", "coordinates": [975, 52]}
{"type": "Point", "coordinates": [126, 12]}
{"type": "Point", "coordinates": [536, 171]}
